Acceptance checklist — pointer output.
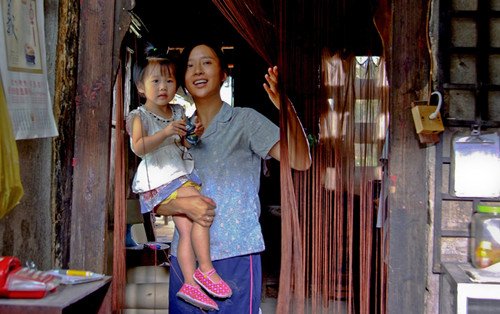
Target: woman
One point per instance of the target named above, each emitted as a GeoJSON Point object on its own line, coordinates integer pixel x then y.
{"type": "Point", "coordinates": [228, 161]}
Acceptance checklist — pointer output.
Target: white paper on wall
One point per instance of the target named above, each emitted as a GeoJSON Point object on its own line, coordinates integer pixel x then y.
{"type": "Point", "coordinates": [23, 68]}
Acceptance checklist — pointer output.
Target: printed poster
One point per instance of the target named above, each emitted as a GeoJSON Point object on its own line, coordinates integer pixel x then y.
{"type": "Point", "coordinates": [23, 69]}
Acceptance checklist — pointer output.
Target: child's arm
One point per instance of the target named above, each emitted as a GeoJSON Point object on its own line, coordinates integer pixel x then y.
{"type": "Point", "coordinates": [143, 144]}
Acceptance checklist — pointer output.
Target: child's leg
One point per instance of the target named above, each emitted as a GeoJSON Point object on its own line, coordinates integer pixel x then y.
{"type": "Point", "coordinates": [200, 238]}
{"type": "Point", "coordinates": [185, 253]}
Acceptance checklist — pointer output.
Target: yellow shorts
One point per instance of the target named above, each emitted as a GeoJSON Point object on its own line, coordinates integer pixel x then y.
{"type": "Point", "coordinates": [173, 196]}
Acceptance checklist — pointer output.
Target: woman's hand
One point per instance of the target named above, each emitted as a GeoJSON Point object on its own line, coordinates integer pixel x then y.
{"type": "Point", "coordinates": [176, 127]}
{"type": "Point", "coordinates": [198, 208]}
{"type": "Point", "coordinates": [202, 210]}
{"type": "Point", "coordinates": [298, 146]}
{"type": "Point", "coordinates": [272, 86]}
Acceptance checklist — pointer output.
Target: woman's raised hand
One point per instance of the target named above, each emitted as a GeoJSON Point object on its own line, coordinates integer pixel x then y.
{"type": "Point", "coordinates": [272, 86]}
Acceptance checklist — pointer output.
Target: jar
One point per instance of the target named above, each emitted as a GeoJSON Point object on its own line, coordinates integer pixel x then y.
{"type": "Point", "coordinates": [485, 232]}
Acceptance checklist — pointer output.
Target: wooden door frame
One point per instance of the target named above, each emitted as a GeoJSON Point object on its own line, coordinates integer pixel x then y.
{"type": "Point", "coordinates": [88, 49]}
{"type": "Point", "coordinates": [82, 161]}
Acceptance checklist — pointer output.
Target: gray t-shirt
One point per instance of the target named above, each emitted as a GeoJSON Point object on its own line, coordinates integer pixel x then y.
{"type": "Point", "coordinates": [228, 160]}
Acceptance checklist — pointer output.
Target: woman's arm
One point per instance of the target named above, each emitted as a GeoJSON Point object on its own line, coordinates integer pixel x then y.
{"type": "Point", "coordinates": [199, 208]}
{"type": "Point", "coordinates": [298, 146]}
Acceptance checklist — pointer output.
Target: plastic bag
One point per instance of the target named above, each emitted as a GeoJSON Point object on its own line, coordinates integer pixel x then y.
{"type": "Point", "coordinates": [475, 164]}
{"type": "Point", "coordinates": [11, 189]}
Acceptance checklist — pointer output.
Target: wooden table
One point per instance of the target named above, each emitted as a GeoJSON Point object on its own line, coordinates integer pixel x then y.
{"type": "Point", "coordinates": [91, 297]}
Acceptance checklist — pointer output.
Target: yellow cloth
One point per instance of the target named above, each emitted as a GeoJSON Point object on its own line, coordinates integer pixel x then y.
{"type": "Point", "coordinates": [11, 189]}
{"type": "Point", "coordinates": [173, 196]}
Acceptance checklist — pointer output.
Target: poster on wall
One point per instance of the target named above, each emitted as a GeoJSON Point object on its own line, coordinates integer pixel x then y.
{"type": "Point", "coordinates": [23, 69]}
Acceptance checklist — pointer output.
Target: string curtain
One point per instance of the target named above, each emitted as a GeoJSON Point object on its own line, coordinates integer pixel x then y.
{"type": "Point", "coordinates": [345, 250]}
{"type": "Point", "coordinates": [262, 25]}
{"type": "Point", "coordinates": [333, 246]}
{"type": "Point", "coordinates": [256, 22]}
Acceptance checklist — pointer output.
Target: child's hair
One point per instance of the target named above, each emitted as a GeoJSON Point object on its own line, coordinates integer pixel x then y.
{"type": "Point", "coordinates": [154, 55]}
{"type": "Point", "coordinates": [187, 50]}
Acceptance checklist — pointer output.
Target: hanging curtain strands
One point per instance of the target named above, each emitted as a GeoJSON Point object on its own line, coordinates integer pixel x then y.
{"type": "Point", "coordinates": [333, 255]}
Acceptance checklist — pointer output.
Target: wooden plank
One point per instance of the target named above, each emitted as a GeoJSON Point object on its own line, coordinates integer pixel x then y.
{"type": "Point", "coordinates": [408, 212]}
{"type": "Point", "coordinates": [122, 21]}
{"type": "Point", "coordinates": [63, 145]}
{"type": "Point", "coordinates": [89, 221]}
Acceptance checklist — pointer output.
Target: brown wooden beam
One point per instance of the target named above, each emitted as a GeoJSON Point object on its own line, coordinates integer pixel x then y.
{"type": "Point", "coordinates": [89, 217]}
{"type": "Point", "coordinates": [122, 22]}
{"type": "Point", "coordinates": [408, 212]}
{"type": "Point", "coordinates": [64, 111]}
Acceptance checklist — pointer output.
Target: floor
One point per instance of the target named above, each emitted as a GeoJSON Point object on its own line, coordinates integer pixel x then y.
{"type": "Point", "coordinates": [164, 229]}
{"type": "Point", "coordinates": [268, 306]}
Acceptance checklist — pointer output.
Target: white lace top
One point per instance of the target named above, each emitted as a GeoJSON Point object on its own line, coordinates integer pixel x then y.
{"type": "Point", "coordinates": [164, 164]}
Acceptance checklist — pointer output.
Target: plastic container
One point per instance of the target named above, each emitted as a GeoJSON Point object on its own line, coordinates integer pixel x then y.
{"type": "Point", "coordinates": [485, 231]}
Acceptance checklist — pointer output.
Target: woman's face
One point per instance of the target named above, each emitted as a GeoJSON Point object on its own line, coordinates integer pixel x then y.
{"type": "Point", "coordinates": [204, 75]}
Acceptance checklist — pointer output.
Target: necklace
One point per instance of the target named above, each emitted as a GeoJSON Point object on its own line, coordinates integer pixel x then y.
{"type": "Point", "coordinates": [158, 117]}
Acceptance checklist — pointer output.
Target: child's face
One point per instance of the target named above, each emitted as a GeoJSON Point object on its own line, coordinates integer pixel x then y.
{"type": "Point", "coordinates": [158, 84]}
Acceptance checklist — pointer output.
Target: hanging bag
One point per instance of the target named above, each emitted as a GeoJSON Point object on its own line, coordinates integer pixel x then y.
{"type": "Point", "coordinates": [11, 189]}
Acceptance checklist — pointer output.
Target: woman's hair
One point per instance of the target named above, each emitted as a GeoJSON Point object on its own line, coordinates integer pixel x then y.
{"type": "Point", "coordinates": [187, 50]}
{"type": "Point", "coordinates": [154, 55]}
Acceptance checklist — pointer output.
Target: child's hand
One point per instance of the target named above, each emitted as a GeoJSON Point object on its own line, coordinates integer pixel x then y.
{"type": "Point", "coordinates": [177, 127]}
{"type": "Point", "coordinates": [272, 86]}
{"type": "Point", "coordinates": [199, 128]}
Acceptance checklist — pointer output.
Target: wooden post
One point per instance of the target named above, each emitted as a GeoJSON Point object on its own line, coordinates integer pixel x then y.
{"type": "Point", "coordinates": [63, 145]}
{"type": "Point", "coordinates": [89, 216]}
{"type": "Point", "coordinates": [408, 210]}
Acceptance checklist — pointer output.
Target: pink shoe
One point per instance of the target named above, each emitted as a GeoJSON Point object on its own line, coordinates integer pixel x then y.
{"type": "Point", "coordinates": [218, 289]}
{"type": "Point", "coordinates": [196, 297]}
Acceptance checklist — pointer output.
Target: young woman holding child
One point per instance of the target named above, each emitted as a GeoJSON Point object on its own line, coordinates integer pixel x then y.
{"type": "Point", "coordinates": [166, 172]}
{"type": "Point", "coordinates": [228, 160]}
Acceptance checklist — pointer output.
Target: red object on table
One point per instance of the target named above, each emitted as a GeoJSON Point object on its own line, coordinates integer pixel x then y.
{"type": "Point", "coordinates": [17, 282]}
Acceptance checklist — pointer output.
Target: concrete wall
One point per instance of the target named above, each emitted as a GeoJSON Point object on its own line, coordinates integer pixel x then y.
{"type": "Point", "coordinates": [26, 232]}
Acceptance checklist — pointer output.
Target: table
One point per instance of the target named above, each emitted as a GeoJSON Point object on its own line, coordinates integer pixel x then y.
{"type": "Point", "coordinates": [91, 297]}
{"type": "Point", "coordinates": [457, 291]}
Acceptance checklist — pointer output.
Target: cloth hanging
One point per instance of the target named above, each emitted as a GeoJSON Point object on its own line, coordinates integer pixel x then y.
{"type": "Point", "coordinates": [11, 188]}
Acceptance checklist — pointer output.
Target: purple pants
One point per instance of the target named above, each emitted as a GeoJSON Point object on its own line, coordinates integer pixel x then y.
{"type": "Point", "coordinates": [242, 273]}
